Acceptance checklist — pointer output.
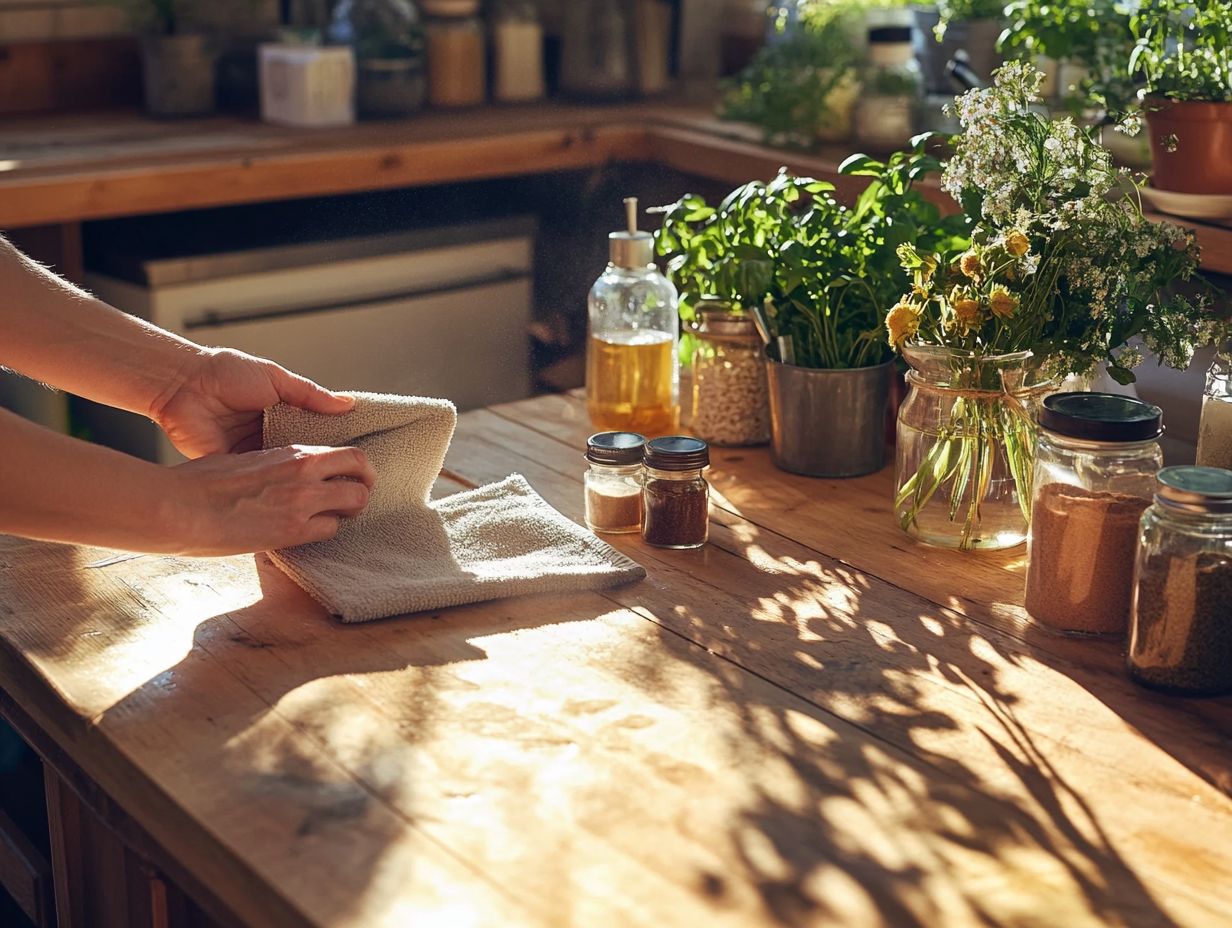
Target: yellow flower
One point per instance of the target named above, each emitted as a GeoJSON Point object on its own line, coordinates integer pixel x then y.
{"type": "Point", "coordinates": [902, 322]}
{"type": "Point", "coordinates": [967, 314]}
{"type": "Point", "coordinates": [1002, 303]}
{"type": "Point", "coordinates": [929, 266]}
{"type": "Point", "coordinates": [1017, 243]}
{"type": "Point", "coordinates": [971, 265]}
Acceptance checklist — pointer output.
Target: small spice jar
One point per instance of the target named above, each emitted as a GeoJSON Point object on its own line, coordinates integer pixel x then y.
{"type": "Point", "coordinates": [675, 495]}
{"type": "Point", "coordinates": [1095, 465]}
{"type": "Point", "coordinates": [1180, 637]}
{"type": "Point", "coordinates": [731, 402]}
{"type": "Point", "coordinates": [613, 482]}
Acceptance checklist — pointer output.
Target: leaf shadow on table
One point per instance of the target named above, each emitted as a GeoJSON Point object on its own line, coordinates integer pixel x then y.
{"type": "Point", "coordinates": [315, 727]}
{"type": "Point", "coordinates": [948, 798]}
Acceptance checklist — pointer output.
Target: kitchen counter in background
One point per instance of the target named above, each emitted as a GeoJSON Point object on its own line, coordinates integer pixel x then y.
{"type": "Point", "coordinates": [56, 171]}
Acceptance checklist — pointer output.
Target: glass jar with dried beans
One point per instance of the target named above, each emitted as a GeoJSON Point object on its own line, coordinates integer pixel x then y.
{"type": "Point", "coordinates": [731, 402]}
{"type": "Point", "coordinates": [613, 482]}
{"type": "Point", "coordinates": [1180, 637]}
{"type": "Point", "coordinates": [675, 495]}
{"type": "Point", "coordinates": [1095, 465]}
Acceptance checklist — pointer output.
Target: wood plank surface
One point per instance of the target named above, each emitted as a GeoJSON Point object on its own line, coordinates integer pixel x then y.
{"type": "Point", "coordinates": [811, 721]}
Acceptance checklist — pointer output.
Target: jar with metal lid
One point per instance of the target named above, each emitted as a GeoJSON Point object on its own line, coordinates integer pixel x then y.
{"type": "Point", "coordinates": [731, 403]}
{"type": "Point", "coordinates": [892, 89]}
{"type": "Point", "coordinates": [1180, 637]}
{"type": "Point", "coordinates": [613, 482]}
{"type": "Point", "coordinates": [1215, 432]}
{"type": "Point", "coordinates": [457, 53]}
{"type": "Point", "coordinates": [675, 495]}
{"type": "Point", "coordinates": [1095, 464]}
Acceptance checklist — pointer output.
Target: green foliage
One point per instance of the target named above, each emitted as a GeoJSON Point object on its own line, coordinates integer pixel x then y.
{"type": "Point", "coordinates": [157, 16]}
{"type": "Point", "coordinates": [826, 273]}
{"type": "Point", "coordinates": [787, 89]}
{"type": "Point", "coordinates": [957, 11]}
{"type": "Point", "coordinates": [1184, 49]}
{"type": "Point", "coordinates": [1095, 33]}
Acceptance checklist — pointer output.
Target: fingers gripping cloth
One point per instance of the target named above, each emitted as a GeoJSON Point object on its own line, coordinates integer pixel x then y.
{"type": "Point", "coordinates": [406, 553]}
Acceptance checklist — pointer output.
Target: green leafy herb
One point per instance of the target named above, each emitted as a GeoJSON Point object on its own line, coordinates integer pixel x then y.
{"type": "Point", "coordinates": [827, 273]}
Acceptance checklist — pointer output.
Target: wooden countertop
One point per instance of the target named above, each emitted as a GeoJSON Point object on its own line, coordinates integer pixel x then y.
{"type": "Point", "coordinates": [812, 721]}
{"type": "Point", "coordinates": [64, 169]}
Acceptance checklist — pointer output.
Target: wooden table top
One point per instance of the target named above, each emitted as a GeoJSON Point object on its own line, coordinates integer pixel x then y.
{"type": "Point", "coordinates": [811, 721]}
{"type": "Point", "coordinates": [69, 168]}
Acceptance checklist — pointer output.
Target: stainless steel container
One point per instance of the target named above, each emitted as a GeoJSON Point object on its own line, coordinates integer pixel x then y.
{"type": "Point", "coordinates": [828, 423]}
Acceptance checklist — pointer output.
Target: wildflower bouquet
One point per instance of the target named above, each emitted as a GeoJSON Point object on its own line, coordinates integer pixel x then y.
{"type": "Point", "coordinates": [1063, 270]}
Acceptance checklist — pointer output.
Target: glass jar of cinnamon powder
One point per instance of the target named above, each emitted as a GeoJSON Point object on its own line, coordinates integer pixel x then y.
{"type": "Point", "coordinates": [675, 495]}
{"type": "Point", "coordinates": [1095, 465]}
{"type": "Point", "coordinates": [613, 482]}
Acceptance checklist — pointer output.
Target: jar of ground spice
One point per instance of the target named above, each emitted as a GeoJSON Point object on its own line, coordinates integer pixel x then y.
{"type": "Point", "coordinates": [675, 495]}
{"type": "Point", "coordinates": [613, 482]}
{"type": "Point", "coordinates": [1095, 465]}
{"type": "Point", "coordinates": [1180, 638]}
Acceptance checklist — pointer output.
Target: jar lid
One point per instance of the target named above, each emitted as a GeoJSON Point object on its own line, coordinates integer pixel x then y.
{"type": "Point", "coordinates": [451, 7]}
{"type": "Point", "coordinates": [1101, 417]}
{"type": "Point", "coordinates": [676, 453]}
{"type": "Point", "coordinates": [889, 35]}
{"type": "Point", "coordinates": [721, 317]}
{"type": "Point", "coordinates": [1195, 489]}
{"type": "Point", "coordinates": [615, 448]}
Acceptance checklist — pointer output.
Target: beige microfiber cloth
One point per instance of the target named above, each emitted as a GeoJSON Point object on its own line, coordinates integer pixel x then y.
{"type": "Point", "coordinates": [405, 553]}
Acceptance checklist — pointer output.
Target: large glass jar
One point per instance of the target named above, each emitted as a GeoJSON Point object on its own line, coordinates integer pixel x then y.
{"type": "Point", "coordinates": [966, 446]}
{"type": "Point", "coordinates": [731, 404]}
{"type": "Point", "coordinates": [613, 482]}
{"type": "Point", "coordinates": [632, 375]}
{"type": "Point", "coordinates": [457, 54]}
{"type": "Point", "coordinates": [675, 495]}
{"type": "Point", "coordinates": [1180, 637]}
{"type": "Point", "coordinates": [1215, 433]}
{"type": "Point", "coordinates": [892, 89]}
{"type": "Point", "coordinates": [1095, 466]}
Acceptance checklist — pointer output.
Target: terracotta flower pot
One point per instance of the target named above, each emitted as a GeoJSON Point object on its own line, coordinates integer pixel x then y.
{"type": "Point", "coordinates": [1192, 146]}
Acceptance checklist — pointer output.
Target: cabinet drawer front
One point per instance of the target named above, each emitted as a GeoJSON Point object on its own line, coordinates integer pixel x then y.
{"type": "Point", "coordinates": [468, 345]}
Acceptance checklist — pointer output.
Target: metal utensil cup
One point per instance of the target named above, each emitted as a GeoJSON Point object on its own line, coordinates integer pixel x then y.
{"type": "Point", "coordinates": [828, 423]}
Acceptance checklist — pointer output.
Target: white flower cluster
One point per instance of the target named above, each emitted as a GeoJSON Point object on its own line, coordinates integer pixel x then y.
{"type": "Point", "coordinates": [1016, 160]}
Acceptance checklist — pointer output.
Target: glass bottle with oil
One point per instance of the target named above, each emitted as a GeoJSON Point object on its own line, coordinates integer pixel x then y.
{"type": "Point", "coordinates": [632, 377]}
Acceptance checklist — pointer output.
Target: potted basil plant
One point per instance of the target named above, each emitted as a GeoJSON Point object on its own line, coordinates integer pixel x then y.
{"type": "Point", "coordinates": [822, 274]}
{"type": "Point", "coordinates": [177, 63]}
{"type": "Point", "coordinates": [1184, 51]}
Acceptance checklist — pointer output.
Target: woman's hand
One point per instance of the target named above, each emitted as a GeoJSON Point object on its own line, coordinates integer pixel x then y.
{"type": "Point", "coordinates": [262, 500]}
{"type": "Point", "coordinates": [216, 404]}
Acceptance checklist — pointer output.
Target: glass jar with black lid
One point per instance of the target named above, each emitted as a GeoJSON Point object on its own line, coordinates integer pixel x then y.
{"type": "Point", "coordinates": [675, 495]}
{"type": "Point", "coordinates": [1180, 636]}
{"type": "Point", "coordinates": [1095, 464]}
{"type": "Point", "coordinates": [613, 482]}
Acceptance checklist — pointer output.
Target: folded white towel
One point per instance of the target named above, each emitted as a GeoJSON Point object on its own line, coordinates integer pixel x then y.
{"type": "Point", "coordinates": [405, 553]}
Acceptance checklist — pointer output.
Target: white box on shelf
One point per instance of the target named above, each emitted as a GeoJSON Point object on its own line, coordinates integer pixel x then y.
{"type": "Point", "coordinates": [307, 86]}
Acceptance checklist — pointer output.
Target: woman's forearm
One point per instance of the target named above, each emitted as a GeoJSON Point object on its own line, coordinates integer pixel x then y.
{"type": "Point", "coordinates": [55, 333]}
{"type": "Point", "coordinates": [58, 488]}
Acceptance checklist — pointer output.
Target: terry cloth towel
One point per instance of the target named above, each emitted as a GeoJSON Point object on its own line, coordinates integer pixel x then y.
{"type": "Point", "coordinates": [405, 553]}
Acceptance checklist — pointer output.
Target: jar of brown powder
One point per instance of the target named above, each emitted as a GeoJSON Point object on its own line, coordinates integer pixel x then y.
{"type": "Point", "coordinates": [613, 483]}
{"type": "Point", "coordinates": [675, 495]}
{"type": "Point", "coordinates": [1095, 466]}
{"type": "Point", "coordinates": [1180, 638]}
